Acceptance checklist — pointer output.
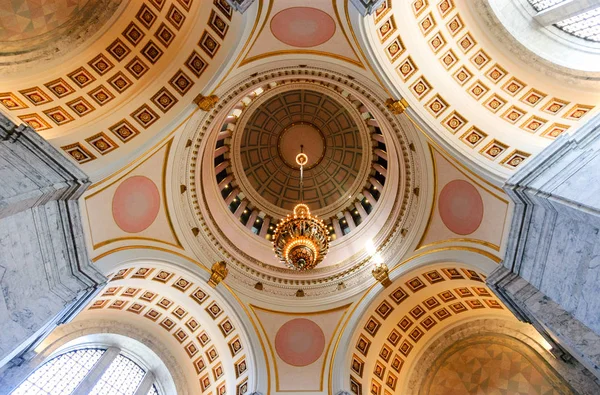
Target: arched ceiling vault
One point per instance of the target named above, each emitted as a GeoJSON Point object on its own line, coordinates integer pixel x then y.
{"type": "Point", "coordinates": [148, 59]}
{"type": "Point", "coordinates": [203, 331]}
{"type": "Point", "coordinates": [102, 98]}
{"type": "Point", "coordinates": [490, 107]}
{"type": "Point", "coordinates": [394, 344]}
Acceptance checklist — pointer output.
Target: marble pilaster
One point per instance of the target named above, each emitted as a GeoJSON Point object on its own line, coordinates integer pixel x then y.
{"type": "Point", "coordinates": [46, 277]}
{"type": "Point", "coordinates": [550, 276]}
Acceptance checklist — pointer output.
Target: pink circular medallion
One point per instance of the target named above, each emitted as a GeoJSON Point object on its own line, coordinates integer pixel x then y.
{"type": "Point", "coordinates": [135, 204]}
{"type": "Point", "coordinates": [302, 26]}
{"type": "Point", "coordinates": [299, 342]}
{"type": "Point", "coordinates": [461, 207]}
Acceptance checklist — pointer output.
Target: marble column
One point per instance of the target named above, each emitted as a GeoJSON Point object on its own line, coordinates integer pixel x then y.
{"type": "Point", "coordinates": [550, 276]}
{"type": "Point", "coordinates": [46, 277]}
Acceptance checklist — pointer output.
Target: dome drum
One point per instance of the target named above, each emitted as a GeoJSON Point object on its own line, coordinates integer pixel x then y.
{"type": "Point", "coordinates": [228, 208]}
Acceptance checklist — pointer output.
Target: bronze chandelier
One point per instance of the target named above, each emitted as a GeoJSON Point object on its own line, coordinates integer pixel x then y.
{"type": "Point", "coordinates": [301, 240]}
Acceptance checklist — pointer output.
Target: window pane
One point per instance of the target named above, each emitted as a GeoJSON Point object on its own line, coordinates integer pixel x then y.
{"type": "Point", "coordinates": [61, 374]}
{"type": "Point", "coordinates": [153, 391]}
{"type": "Point", "coordinates": [541, 5]}
{"type": "Point", "coordinates": [121, 378]}
{"type": "Point", "coordinates": [586, 25]}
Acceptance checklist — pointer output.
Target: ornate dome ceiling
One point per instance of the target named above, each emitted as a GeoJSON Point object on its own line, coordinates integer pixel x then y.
{"type": "Point", "coordinates": [28, 19]}
{"type": "Point", "coordinates": [32, 29]}
{"type": "Point", "coordinates": [275, 128]}
{"type": "Point", "coordinates": [242, 181]}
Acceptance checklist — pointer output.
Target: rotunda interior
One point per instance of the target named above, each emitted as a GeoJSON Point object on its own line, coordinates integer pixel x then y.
{"type": "Point", "coordinates": [148, 151]}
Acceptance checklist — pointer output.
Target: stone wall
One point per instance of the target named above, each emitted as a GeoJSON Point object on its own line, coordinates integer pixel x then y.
{"type": "Point", "coordinates": [46, 276]}
{"type": "Point", "coordinates": [551, 272]}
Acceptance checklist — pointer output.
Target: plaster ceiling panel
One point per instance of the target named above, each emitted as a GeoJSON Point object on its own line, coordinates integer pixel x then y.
{"type": "Point", "coordinates": [131, 207]}
{"type": "Point", "coordinates": [299, 345]}
{"type": "Point", "coordinates": [302, 27]}
{"type": "Point", "coordinates": [465, 208]}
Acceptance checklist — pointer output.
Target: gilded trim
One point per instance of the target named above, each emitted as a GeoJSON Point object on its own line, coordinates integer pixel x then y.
{"type": "Point", "coordinates": [262, 344]}
{"type": "Point", "coordinates": [421, 246]}
{"type": "Point", "coordinates": [460, 240]}
{"type": "Point", "coordinates": [142, 158]}
{"type": "Point", "coordinates": [445, 154]}
{"type": "Point", "coordinates": [117, 239]}
{"type": "Point", "coordinates": [300, 52]}
{"type": "Point", "coordinates": [339, 20]}
{"type": "Point", "coordinates": [146, 247]}
{"type": "Point", "coordinates": [341, 332]}
{"type": "Point", "coordinates": [237, 59]}
{"type": "Point", "coordinates": [430, 219]}
{"type": "Point", "coordinates": [450, 248]}
{"type": "Point", "coordinates": [324, 355]}
{"type": "Point", "coordinates": [362, 53]}
{"type": "Point", "coordinates": [304, 51]}
{"type": "Point", "coordinates": [167, 147]}
{"type": "Point", "coordinates": [262, 27]}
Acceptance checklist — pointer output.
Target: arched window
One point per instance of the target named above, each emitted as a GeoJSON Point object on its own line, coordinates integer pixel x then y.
{"type": "Point", "coordinates": [93, 371]}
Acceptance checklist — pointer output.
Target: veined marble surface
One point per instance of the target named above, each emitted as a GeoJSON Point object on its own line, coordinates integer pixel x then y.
{"type": "Point", "coordinates": [45, 273]}
{"type": "Point", "coordinates": [551, 271]}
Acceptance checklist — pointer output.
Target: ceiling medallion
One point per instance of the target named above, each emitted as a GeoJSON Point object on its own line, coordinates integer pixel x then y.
{"type": "Point", "coordinates": [301, 240]}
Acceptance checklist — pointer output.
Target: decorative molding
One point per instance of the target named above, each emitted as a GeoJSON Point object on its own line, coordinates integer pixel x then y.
{"type": "Point", "coordinates": [218, 273]}
{"type": "Point", "coordinates": [397, 107]}
{"type": "Point", "coordinates": [246, 271]}
{"type": "Point", "coordinates": [206, 103]}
